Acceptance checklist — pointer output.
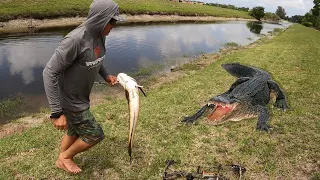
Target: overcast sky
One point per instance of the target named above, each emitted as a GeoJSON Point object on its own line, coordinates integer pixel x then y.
{"type": "Point", "coordinates": [292, 7]}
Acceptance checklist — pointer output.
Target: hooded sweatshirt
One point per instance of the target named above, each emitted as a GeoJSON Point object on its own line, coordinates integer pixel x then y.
{"type": "Point", "coordinates": [69, 75]}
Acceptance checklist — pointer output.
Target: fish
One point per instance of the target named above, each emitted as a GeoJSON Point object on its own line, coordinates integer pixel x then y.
{"type": "Point", "coordinates": [131, 88]}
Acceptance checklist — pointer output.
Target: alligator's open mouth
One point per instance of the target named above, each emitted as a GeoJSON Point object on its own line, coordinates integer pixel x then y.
{"type": "Point", "coordinates": [221, 111]}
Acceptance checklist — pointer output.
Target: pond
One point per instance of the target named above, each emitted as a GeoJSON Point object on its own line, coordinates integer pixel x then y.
{"type": "Point", "coordinates": [128, 49]}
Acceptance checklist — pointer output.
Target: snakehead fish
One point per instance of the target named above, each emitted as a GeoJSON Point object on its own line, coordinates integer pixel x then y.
{"type": "Point", "coordinates": [131, 88]}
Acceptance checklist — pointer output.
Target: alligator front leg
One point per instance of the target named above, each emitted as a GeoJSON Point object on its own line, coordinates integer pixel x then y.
{"type": "Point", "coordinates": [281, 101]}
{"type": "Point", "coordinates": [263, 118]}
{"type": "Point", "coordinates": [193, 118]}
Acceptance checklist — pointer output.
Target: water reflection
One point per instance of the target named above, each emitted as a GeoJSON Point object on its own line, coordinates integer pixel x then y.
{"type": "Point", "coordinates": [129, 48]}
{"type": "Point", "coordinates": [255, 27]}
{"type": "Point", "coordinates": [22, 61]}
{"type": "Point", "coordinates": [164, 43]}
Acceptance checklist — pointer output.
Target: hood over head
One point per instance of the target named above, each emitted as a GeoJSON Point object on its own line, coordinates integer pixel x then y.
{"type": "Point", "coordinates": [101, 12]}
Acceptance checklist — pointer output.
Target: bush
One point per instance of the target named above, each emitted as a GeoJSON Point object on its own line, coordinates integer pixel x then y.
{"type": "Point", "coordinates": [309, 18]}
{"type": "Point", "coordinates": [271, 17]}
{"type": "Point", "coordinates": [308, 24]}
{"type": "Point", "coordinates": [276, 30]}
{"type": "Point", "coordinates": [231, 44]}
{"type": "Point", "coordinates": [317, 25]}
{"type": "Point", "coordinates": [10, 107]}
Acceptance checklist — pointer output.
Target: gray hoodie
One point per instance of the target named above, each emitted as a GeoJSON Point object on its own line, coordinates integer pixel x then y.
{"type": "Point", "coordinates": [69, 75]}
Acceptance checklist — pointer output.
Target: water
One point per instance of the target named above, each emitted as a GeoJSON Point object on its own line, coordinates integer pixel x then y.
{"type": "Point", "coordinates": [129, 48]}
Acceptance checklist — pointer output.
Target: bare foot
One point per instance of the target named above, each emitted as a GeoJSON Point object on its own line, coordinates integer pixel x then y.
{"type": "Point", "coordinates": [69, 165]}
{"type": "Point", "coordinates": [60, 165]}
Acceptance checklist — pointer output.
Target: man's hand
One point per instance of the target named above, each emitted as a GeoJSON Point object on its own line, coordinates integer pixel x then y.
{"type": "Point", "coordinates": [111, 80]}
{"type": "Point", "coordinates": [60, 123]}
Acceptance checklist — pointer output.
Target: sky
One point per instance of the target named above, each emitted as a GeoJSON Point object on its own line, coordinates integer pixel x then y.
{"type": "Point", "coordinates": [292, 7]}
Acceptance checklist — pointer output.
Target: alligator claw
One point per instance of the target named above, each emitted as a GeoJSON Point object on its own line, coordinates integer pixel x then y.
{"type": "Point", "coordinates": [263, 127]}
{"type": "Point", "coordinates": [282, 104]}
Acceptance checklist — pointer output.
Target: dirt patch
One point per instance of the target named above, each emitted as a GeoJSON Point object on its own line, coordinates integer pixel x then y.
{"type": "Point", "coordinates": [22, 124]}
{"type": "Point", "coordinates": [34, 25]}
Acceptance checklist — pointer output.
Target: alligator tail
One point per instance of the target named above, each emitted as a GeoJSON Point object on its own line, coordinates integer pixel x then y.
{"type": "Point", "coordinates": [238, 70]}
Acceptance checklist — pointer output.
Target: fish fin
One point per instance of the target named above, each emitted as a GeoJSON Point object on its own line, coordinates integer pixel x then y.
{"type": "Point", "coordinates": [130, 148]}
{"type": "Point", "coordinates": [132, 79]}
{"type": "Point", "coordinates": [140, 87]}
{"type": "Point", "coordinates": [130, 151]}
{"type": "Point", "coordinates": [127, 95]}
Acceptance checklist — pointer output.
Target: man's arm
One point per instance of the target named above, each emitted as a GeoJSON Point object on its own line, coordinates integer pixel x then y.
{"type": "Point", "coordinates": [110, 79]}
{"type": "Point", "coordinates": [103, 72]}
{"type": "Point", "coordinates": [63, 57]}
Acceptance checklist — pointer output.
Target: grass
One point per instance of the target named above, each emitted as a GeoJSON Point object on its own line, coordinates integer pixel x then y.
{"type": "Point", "coordinates": [146, 71]}
{"type": "Point", "coordinates": [290, 151]}
{"type": "Point", "coordinates": [231, 44]}
{"type": "Point", "coordinates": [277, 30]}
{"type": "Point", "coordinates": [12, 9]}
{"type": "Point", "coordinates": [8, 107]}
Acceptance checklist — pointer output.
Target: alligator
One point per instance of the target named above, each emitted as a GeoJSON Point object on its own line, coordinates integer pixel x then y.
{"type": "Point", "coordinates": [247, 97]}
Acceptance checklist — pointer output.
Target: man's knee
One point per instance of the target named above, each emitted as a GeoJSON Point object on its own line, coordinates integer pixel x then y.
{"type": "Point", "coordinates": [86, 127]}
{"type": "Point", "coordinates": [94, 137]}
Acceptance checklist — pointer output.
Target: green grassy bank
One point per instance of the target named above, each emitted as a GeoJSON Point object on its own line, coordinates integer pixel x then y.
{"type": "Point", "coordinates": [38, 9]}
{"type": "Point", "coordinates": [290, 151]}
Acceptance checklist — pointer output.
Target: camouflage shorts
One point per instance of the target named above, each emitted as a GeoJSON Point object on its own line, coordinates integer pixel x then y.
{"type": "Point", "coordinates": [83, 125]}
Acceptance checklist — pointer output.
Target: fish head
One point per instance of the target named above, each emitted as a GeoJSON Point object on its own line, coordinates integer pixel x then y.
{"type": "Point", "coordinates": [129, 84]}
{"type": "Point", "coordinates": [122, 79]}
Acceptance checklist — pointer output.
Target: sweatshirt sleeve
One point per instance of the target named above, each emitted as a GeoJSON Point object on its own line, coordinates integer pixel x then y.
{"type": "Point", "coordinates": [103, 72]}
{"type": "Point", "coordinates": [63, 57]}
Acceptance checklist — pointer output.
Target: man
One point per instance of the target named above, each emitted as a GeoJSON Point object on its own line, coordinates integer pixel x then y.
{"type": "Point", "coordinates": [68, 79]}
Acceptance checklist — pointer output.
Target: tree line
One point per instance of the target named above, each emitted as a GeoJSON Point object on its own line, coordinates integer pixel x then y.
{"type": "Point", "coordinates": [257, 12]}
{"type": "Point", "coordinates": [311, 18]}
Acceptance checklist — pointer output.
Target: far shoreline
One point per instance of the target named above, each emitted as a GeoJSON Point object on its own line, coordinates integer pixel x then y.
{"type": "Point", "coordinates": [35, 25]}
